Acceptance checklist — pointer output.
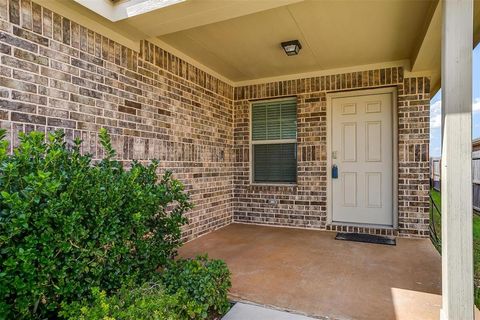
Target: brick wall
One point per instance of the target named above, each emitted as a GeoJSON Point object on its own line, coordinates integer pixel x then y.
{"type": "Point", "coordinates": [304, 205]}
{"type": "Point", "coordinates": [56, 74]}
{"type": "Point", "coordinates": [413, 157]}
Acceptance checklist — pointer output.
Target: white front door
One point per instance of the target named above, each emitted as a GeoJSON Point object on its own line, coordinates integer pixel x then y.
{"type": "Point", "coordinates": [362, 149]}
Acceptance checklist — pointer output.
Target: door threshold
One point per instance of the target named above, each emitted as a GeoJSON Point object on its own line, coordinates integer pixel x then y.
{"type": "Point", "coordinates": [362, 225]}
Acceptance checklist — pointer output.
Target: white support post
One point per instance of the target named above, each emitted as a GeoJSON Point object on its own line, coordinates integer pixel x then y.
{"type": "Point", "coordinates": [457, 251]}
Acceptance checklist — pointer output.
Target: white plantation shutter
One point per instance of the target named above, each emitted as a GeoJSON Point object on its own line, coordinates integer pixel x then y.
{"type": "Point", "coordinates": [274, 146]}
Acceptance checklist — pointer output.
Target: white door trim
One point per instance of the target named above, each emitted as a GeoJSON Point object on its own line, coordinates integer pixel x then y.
{"type": "Point", "coordinates": [330, 96]}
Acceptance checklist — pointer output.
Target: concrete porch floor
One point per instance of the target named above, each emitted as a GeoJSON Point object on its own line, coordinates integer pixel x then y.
{"type": "Point", "coordinates": [310, 272]}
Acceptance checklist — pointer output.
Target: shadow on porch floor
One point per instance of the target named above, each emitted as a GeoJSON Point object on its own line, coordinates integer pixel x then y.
{"type": "Point", "coordinates": [309, 272]}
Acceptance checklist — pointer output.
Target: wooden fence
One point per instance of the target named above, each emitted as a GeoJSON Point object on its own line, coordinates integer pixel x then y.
{"type": "Point", "coordinates": [435, 172]}
{"type": "Point", "coordinates": [476, 179]}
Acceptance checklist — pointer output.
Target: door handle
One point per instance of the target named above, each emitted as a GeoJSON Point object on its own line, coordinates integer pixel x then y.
{"type": "Point", "coordinates": [334, 172]}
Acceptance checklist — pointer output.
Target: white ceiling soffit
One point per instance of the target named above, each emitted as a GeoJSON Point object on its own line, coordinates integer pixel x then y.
{"type": "Point", "coordinates": [158, 17]}
{"type": "Point", "coordinates": [333, 34]}
{"type": "Point", "coordinates": [119, 10]}
{"type": "Point", "coordinates": [240, 39]}
{"type": "Point", "coordinates": [428, 54]}
{"type": "Point", "coordinates": [197, 13]}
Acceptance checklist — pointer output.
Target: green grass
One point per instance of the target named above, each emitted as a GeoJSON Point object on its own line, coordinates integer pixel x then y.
{"type": "Point", "coordinates": [476, 239]}
{"type": "Point", "coordinates": [437, 220]}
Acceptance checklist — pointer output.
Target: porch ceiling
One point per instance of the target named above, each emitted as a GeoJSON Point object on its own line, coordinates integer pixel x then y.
{"type": "Point", "coordinates": [239, 40]}
{"type": "Point", "coordinates": [333, 34]}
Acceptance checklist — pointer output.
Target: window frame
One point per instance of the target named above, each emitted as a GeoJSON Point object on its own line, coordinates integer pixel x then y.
{"type": "Point", "coordinates": [279, 141]}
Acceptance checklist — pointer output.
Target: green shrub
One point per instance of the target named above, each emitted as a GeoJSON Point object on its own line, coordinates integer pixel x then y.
{"type": "Point", "coordinates": [185, 290]}
{"type": "Point", "coordinates": [144, 303]}
{"type": "Point", "coordinates": [202, 280]}
{"type": "Point", "coordinates": [68, 224]}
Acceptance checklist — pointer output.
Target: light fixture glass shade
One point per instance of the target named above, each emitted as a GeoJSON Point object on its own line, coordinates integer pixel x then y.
{"type": "Point", "coordinates": [292, 47]}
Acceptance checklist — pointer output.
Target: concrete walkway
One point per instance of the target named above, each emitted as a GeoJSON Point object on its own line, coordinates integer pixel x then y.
{"type": "Point", "coordinates": [243, 311]}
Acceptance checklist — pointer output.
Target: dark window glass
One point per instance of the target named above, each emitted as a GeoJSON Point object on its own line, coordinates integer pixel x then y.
{"type": "Point", "coordinates": [275, 162]}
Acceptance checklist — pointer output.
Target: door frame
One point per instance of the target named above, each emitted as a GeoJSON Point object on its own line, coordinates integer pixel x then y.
{"type": "Point", "coordinates": [330, 97]}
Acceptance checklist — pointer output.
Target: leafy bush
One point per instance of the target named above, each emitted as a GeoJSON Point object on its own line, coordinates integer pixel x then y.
{"type": "Point", "coordinates": [68, 224]}
{"type": "Point", "coordinates": [144, 303]}
{"type": "Point", "coordinates": [187, 289]}
{"type": "Point", "coordinates": [202, 280]}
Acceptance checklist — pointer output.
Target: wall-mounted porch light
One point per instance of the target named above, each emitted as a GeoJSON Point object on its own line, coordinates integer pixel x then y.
{"type": "Point", "coordinates": [291, 47]}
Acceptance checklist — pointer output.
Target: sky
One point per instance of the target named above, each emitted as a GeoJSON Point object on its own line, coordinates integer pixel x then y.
{"type": "Point", "coordinates": [436, 110]}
